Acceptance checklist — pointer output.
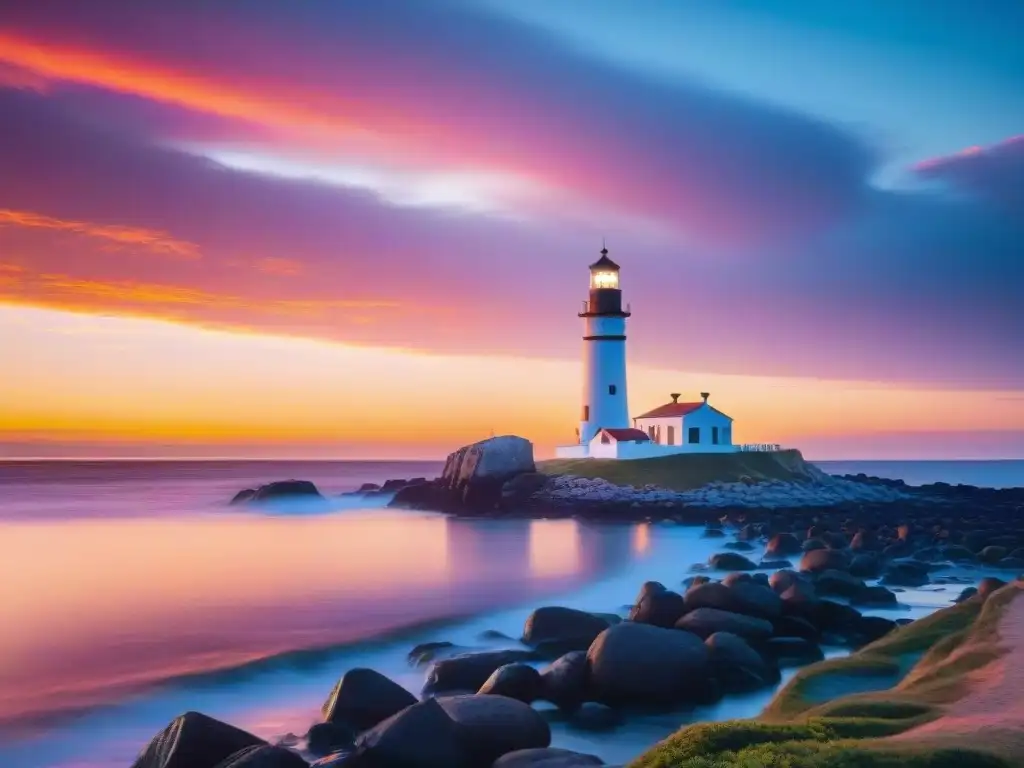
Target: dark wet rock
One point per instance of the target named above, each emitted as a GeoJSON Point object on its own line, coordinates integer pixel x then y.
{"type": "Point", "coordinates": [897, 549]}
{"type": "Point", "coordinates": [420, 736]}
{"type": "Point", "coordinates": [424, 653]}
{"type": "Point", "coordinates": [194, 740]}
{"type": "Point", "coordinates": [547, 758]}
{"type": "Point", "coordinates": [658, 607]}
{"type": "Point", "coordinates": [492, 726]}
{"type": "Point", "coordinates": [494, 634]}
{"type": "Point", "coordinates": [264, 756]}
{"type": "Point", "coordinates": [905, 574]}
{"type": "Point", "coordinates": [967, 594]}
{"type": "Point", "coordinates": [595, 718]}
{"type": "Point", "coordinates": [521, 488]}
{"type": "Point", "coordinates": [243, 496]}
{"type": "Point", "coordinates": [782, 580]}
{"type": "Point", "coordinates": [838, 584]}
{"type": "Point", "coordinates": [794, 626]}
{"type": "Point", "coordinates": [740, 546]}
{"type": "Point", "coordinates": [791, 651]}
{"type": "Point", "coordinates": [344, 759]}
{"type": "Point", "coordinates": [957, 554]}
{"type": "Point", "coordinates": [830, 616]}
{"type": "Point", "coordinates": [565, 681]}
{"type": "Point", "coordinates": [811, 545]}
{"type": "Point", "coordinates": [783, 545]}
{"type": "Point", "coordinates": [864, 540]}
{"type": "Point", "coordinates": [992, 554]}
{"type": "Point", "coordinates": [1011, 564]}
{"type": "Point", "coordinates": [516, 681]}
{"type": "Point", "coordinates": [704, 622]}
{"type": "Point", "coordinates": [363, 697]}
{"type": "Point", "coordinates": [641, 664]}
{"type": "Point", "coordinates": [748, 598]}
{"type": "Point", "coordinates": [871, 628]}
{"type": "Point", "coordinates": [731, 561]}
{"type": "Point", "coordinates": [695, 581]}
{"type": "Point", "coordinates": [326, 738]}
{"type": "Point", "coordinates": [470, 671]}
{"type": "Point", "coordinates": [367, 487]}
{"type": "Point", "coordinates": [475, 474]}
{"type": "Point", "coordinates": [569, 628]}
{"type": "Point", "coordinates": [819, 560]}
{"type": "Point", "coordinates": [737, 667]}
{"type": "Point", "coordinates": [834, 539]}
{"type": "Point", "coordinates": [286, 489]}
{"type": "Point", "coordinates": [714, 533]}
{"type": "Point", "coordinates": [988, 585]}
{"type": "Point", "coordinates": [865, 566]}
{"type": "Point", "coordinates": [877, 596]}
{"type": "Point", "coordinates": [775, 564]}
{"type": "Point", "coordinates": [736, 577]}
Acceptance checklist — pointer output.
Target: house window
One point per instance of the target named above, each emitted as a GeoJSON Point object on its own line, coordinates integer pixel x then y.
{"type": "Point", "coordinates": [694, 437]}
{"type": "Point", "coordinates": [586, 413]}
{"type": "Point", "coordinates": [727, 432]}
{"type": "Point", "coordinates": [714, 435]}
{"type": "Point", "coordinates": [671, 435]}
{"type": "Point", "coordinates": [611, 389]}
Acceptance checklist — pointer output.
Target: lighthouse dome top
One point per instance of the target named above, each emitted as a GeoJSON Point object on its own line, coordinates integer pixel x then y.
{"type": "Point", "coordinates": [604, 263]}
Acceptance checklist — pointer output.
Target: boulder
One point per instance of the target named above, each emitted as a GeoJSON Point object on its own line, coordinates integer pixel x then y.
{"type": "Point", "coordinates": [818, 560]}
{"type": "Point", "coordinates": [595, 718]}
{"type": "Point", "coordinates": [363, 697]}
{"type": "Point", "coordinates": [863, 540]}
{"type": "Point", "coordinates": [838, 584]}
{"type": "Point", "coordinates": [794, 626]}
{"type": "Point", "coordinates": [747, 598]}
{"type": "Point", "coordinates": [327, 738]}
{"type": "Point", "coordinates": [657, 607]}
{"type": "Point", "coordinates": [492, 726]}
{"type": "Point", "coordinates": [865, 566]}
{"type": "Point", "coordinates": [633, 663]}
{"type": "Point", "coordinates": [811, 545]}
{"type": "Point", "coordinates": [568, 628]}
{"type": "Point", "coordinates": [704, 622]}
{"type": "Point", "coordinates": [565, 682]}
{"type": "Point", "coordinates": [905, 574]}
{"type": "Point", "coordinates": [368, 487]}
{"type": "Point", "coordinates": [877, 596]}
{"type": "Point", "coordinates": [194, 740]}
{"type": "Point", "coordinates": [791, 651]}
{"type": "Point", "coordinates": [830, 616]}
{"type": "Point", "coordinates": [740, 546]}
{"type": "Point", "coordinates": [966, 594]}
{"type": "Point", "coordinates": [783, 545]}
{"type": "Point", "coordinates": [420, 736]}
{"type": "Point", "coordinates": [782, 580]}
{"type": "Point", "coordinates": [516, 681]}
{"type": "Point", "coordinates": [264, 756]}
{"type": "Point", "coordinates": [475, 474]}
{"type": "Point", "coordinates": [547, 758]}
{"type": "Point", "coordinates": [468, 672]}
{"type": "Point", "coordinates": [992, 554]}
{"type": "Point", "coordinates": [286, 489]}
{"type": "Point", "coordinates": [988, 585]}
{"type": "Point", "coordinates": [738, 667]}
{"type": "Point", "coordinates": [871, 628]}
{"type": "Point", "coordinates": [731, 561]}
{"type": "Point", "coordinates": [520, 489]}
{"type": "Point", "coordinates": [243, 496]}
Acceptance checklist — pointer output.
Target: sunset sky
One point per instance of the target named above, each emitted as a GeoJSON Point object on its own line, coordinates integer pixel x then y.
{"type": "Point", "coordinates": [362, 228]}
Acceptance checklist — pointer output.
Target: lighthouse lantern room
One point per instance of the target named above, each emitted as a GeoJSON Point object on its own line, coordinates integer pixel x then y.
{"type": "Point", "coordinates": [605, 404]}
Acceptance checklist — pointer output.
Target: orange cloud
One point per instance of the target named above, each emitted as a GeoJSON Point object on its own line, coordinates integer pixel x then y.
{"type": "Point", "coordinates": [148, 239]}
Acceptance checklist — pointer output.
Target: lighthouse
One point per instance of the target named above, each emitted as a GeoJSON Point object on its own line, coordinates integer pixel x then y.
{"type": "Point", "coordinates": [605, 405]}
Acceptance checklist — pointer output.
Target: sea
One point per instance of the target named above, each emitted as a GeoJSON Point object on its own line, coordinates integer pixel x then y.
{"type": "Point", "coordinates": [132, 592]}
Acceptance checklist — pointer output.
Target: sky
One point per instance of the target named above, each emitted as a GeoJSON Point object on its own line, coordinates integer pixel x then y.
{"type": "Point", "coordinates": [362, 229]}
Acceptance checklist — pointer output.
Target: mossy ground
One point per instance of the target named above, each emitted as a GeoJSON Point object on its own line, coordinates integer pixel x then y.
{"type": "Point", "coordinates": [920, 669]}
{"type": "Point", "coordinates": [685, 472]}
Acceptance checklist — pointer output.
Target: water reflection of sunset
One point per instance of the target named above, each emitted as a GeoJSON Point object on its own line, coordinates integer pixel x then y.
{"type": "Point", "coordinates": [110, 604]}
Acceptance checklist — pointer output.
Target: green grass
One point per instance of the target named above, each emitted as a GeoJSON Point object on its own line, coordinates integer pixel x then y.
{"type": "Point", "coordinates": [684, 472]}
{"type": "Point", "coordinates": [919, 668]}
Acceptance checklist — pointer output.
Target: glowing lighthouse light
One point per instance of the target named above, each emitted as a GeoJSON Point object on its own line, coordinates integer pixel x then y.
{"type": "Point", "coordinates": [604, 279]}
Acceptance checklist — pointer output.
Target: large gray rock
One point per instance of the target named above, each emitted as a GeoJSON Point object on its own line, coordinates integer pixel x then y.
{"type": "Point", "coordinates": [492, 726]}
{"type": "Point", "coordinates": [516, 681]}
{"type": "Point", "coordinates": [704, 622]}
{"type": "Point", "coordinates": [264, 756]}
{"type": "Point", "coordinates": [468, 672]}
{"type": "Point", "coordinates": [657, 606]}
{"type": "Point", "coordinates": [363, 697]}
{"type": "Point", "coordinates": [746, 597]}
{"type": "Point", "coordinates": [738, 667]}
{"type": "Point", "coordinates": [634, 663]}
{"type": "Point", "coordinates": [194, 740]}
{"type": "Point", "coordinates": [547, 758]}
{"type": "Point", "coordinates": [476, 473]}
{"type": "Point", "coordinates": [286, 489]}
{"type": "Point", "coordinates": [566, 681]}
{"type": "Point", "coordinates": [567, 628]}
{"type": "Point", "coordinates": [421, 736]}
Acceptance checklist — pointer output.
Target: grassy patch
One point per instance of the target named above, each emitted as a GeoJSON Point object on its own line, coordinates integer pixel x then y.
{"type": "Point", "coordinates": [850, 731]}
{"type": "Point", "coordinates": [684, 472]}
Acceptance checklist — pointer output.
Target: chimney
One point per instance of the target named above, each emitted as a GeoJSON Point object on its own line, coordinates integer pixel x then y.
{"type": "Point", "coordinates": [675, 397]}
{"type": "Point", "coordinates": [705, 396]}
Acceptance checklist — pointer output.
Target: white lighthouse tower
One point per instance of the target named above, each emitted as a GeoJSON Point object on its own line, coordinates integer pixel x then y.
{"type": "Point", "coordinates": [605, 405]}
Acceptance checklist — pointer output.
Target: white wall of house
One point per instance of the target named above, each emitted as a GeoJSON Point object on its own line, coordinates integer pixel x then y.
{"type": "Point", "coordinates": [705, 419]}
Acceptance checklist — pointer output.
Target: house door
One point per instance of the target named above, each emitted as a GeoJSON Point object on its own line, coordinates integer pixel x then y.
{"type": "Point", "coordinates": [670, 435]}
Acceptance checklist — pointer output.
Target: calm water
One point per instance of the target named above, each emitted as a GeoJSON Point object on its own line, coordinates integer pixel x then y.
{"type": "Point", "coordinates": [132, 592]}
{"type": "Point", "coordinates": [985, 474]}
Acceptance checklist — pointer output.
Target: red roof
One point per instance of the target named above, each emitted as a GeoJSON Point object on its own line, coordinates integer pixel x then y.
{"type": "Point", "coordinates": [626, 435]}
{"type": "Point", "coordinates": [671, 409]}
